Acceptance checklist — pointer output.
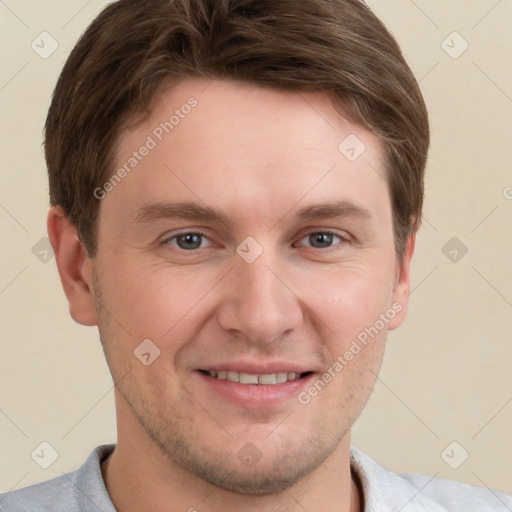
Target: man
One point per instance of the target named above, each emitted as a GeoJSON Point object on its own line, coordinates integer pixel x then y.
{"type": "Point", "coordinates": [236, 188]}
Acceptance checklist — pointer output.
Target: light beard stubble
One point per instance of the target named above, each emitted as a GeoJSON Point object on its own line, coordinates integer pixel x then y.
{"type": "Point", "coordinates": [182, 449]}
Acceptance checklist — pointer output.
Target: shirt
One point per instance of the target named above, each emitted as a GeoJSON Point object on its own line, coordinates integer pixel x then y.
{"type": "Point", "coordinates": [83, 490]}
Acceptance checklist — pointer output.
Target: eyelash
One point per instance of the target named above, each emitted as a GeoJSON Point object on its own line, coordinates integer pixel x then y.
{"type": "Point", "coordinates": [334, 247]}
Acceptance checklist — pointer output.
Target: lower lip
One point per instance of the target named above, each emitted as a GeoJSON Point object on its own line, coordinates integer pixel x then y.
{"type": "Point", "coordinates": [257, 395]}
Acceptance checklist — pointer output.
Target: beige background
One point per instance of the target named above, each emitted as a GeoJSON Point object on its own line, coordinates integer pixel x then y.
{"type": "Point", "coordinates": [446, 375]}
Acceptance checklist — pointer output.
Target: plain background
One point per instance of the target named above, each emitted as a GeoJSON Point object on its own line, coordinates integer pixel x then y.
{"type": "Point", "coordinates": [446, 375]}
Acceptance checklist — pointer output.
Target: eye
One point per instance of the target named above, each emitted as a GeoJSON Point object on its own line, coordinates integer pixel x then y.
{"type": "Point", "coordinates": [188, 241]}
{"type": "Point", "coordinates": [322, 239]}
{"type": "Point", "coordinates": [194, 240]}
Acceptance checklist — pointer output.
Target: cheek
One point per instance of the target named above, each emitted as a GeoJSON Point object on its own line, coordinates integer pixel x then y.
{"type": "Point", "coordinates": [351, 308]}
{"type": "Point", "coordinates": [348, 299]}
{"type": "Point", "coordinates": [155, 302]}
{"type": "Point", "coordinates": [163, 304]}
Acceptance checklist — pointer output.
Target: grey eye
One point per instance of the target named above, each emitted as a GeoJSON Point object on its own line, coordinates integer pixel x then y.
{"type": "Point", "coordinates": [321, 239]}
{"type": "Point", "coordinates": [187, 241]}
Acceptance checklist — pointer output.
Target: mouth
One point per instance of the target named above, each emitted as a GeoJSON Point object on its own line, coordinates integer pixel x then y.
{"type": "Point", "coordinates": [255, 389]}
{"type": "Point", "coordinates": [268, 379]}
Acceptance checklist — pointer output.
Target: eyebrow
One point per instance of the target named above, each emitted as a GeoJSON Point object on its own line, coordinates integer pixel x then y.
{"type": "Point", "coordinates": [181, 210]}
{"type": "Point", "coordinates": [195, 211]}
{"type": "Point", "coordinates": [335, 209]}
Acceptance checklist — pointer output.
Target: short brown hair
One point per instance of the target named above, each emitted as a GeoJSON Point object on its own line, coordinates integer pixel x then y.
{"type": "Point", "coordinates": [334, 46]}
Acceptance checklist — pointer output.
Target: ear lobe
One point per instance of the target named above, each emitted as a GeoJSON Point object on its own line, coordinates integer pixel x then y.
{"type": "Point", "coordinates": [402, 285]}
{"type": "Point", "coordinates": [74, 266]}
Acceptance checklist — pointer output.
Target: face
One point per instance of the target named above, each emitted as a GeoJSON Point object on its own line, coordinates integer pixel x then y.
{"type": "Point", "coordinates": [279, 272]}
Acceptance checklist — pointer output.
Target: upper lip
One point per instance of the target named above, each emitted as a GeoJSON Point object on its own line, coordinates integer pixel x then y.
{"type": "Point", "coordinates": [257, 368]}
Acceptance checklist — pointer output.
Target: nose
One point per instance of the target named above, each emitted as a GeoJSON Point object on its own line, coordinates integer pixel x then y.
{"type": "Point", "coordinates": [259, 305]}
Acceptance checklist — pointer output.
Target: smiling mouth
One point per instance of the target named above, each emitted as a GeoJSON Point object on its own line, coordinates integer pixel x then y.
{"type": "Point", "coordinates": [249, 378]}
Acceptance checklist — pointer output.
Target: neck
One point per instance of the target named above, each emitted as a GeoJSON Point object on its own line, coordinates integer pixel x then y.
{"type": "Point", "coordinates": [139, 476]}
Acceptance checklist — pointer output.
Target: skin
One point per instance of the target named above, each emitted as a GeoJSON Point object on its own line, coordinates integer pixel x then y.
{"type": "Point", "coordinates": [259, 155]}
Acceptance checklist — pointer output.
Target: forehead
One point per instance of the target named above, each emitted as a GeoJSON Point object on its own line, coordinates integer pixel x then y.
{"type": "Point", "coordinates": [245, 146]}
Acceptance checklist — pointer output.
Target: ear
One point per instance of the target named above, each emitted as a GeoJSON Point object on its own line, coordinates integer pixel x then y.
{"type": "Point", "coordinates": [74, 265]}
{"type": "Point", "coordinates": [402, 284]}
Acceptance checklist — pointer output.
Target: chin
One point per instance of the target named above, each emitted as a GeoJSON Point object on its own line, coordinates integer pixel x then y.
{"type": "Point", "coordinates": [271, 474]}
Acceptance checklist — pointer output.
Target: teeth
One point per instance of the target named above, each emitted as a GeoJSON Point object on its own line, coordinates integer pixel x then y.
{"type": "Point", "coordinates": [234, 376]}
{"type": "Point", "coordinates": [248, 378]}
{"type": "Point", "coordinates": [281, 377]}
{"type": "Point", "coordinates": [270, 378]}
